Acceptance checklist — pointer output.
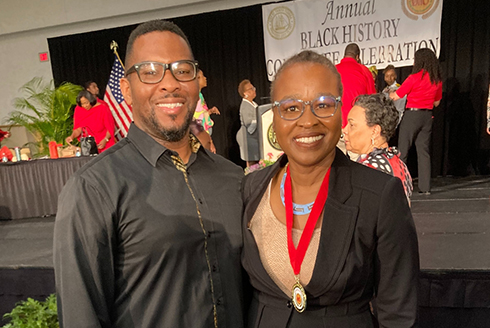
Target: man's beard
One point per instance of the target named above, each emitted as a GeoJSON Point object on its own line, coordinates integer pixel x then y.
{"type": "Point", "coordinates": [170, 135]}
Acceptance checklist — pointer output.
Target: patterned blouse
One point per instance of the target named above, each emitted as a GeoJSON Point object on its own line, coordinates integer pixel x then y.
{"type": "Point", "coordinates": [201, 114]}
{"type": "Point", "coordinates": [388, 161]}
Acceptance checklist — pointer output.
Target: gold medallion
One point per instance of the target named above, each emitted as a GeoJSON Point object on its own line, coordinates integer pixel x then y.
{"type": "Point", "coordinates": [299, 297]}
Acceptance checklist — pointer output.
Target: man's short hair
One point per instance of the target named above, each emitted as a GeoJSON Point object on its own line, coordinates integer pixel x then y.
{"type": "Point", "coordinates": [87, 84]}
{"type": "Point", "coordinates": [241, 87]}
{"type": "Point", "coordinates": [308, 56]}
{"type": "Point", "coordinates": [352, 50]}
{"type": "Point", "coordinates": [389, 68]}
{"type": "Point", "coordinates": [87, 95]}
{"type": "Point", "coordinates": [153, 26]}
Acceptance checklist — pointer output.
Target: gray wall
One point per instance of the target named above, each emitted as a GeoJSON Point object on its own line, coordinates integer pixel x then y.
{"type": "Point", "coordinates": [25, 26]}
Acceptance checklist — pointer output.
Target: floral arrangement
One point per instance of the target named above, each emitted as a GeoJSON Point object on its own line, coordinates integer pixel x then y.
{"type": "Point", "coordinates": [262, 163]}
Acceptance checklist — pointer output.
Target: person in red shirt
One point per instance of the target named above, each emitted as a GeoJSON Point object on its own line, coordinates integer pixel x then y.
{"type": "Point", "coordinates": [356, 79]}
{"type": "Point", "coordinates": [423, 89]}
{"type": "Point", "coordinates": [4, 134]}
{"type": "Point", "coordinates": [96, 118]}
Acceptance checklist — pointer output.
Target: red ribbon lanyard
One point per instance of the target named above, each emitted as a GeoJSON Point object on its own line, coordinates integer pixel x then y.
{"type": "Point", "coordinates": [297, 255]}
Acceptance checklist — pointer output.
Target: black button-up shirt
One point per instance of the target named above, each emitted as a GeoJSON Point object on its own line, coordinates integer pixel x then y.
{"type": "Point", "coordinates": [142, 242]}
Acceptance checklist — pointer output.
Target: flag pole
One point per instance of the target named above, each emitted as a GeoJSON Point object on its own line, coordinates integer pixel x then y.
{"type": "Point", "coordinates": [114, 47]}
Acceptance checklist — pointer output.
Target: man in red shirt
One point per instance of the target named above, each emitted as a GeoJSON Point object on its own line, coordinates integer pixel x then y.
{"type": "Point", "coordinates": [93, 88]}
{"type": "Point", "coordinates": [356, 80]}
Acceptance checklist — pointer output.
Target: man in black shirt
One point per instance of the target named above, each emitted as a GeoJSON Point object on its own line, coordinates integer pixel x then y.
{"type": "Point", "coordinates": [148, 233]}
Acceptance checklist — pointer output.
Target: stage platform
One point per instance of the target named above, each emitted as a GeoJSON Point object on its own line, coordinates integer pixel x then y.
{"type": "Point", "coordinates": [453, 226]}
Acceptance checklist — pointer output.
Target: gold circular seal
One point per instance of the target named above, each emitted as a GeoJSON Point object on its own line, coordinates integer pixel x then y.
{"type": "Point", "coordinates": [271, 137]}
{"type": "Point", "coordinates": [419, 7]}
{"type": "Point", "coordinates": [280, 23]}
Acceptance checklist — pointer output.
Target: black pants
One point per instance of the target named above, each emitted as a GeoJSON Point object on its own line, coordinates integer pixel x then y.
{"type": "Point", "coordinates": [416, 126]}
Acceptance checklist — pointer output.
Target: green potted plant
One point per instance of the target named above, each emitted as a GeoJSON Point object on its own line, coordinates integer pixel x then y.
{"type": "Point", "coordinates": [34, 314]}
{"type": "Point", "coordinates": [46, 111]}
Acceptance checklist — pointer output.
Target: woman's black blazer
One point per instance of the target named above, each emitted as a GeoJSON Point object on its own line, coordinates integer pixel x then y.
{"type": "Point", "coordinates": [368, 246]}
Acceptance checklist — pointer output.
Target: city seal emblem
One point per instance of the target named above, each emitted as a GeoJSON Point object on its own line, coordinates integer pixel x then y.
{"type": "Point", "coordinates": [280, 23]}
{"type": "Point", "coordinates": [271, 137]}
{"type": "Point", "coordinates": [414, 9]}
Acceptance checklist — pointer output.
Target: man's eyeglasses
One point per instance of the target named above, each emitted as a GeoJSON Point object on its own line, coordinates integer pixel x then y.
{"type": "Point", "coordinates": [251, 88]}
{"type": "Point", "coordinates": [292, 109]}
{"type": "Point", "coordinates": [153, 72]}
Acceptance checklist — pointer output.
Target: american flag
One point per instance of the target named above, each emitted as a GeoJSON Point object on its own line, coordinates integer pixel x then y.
{"type": "Point", "coordinates": [121, 111]}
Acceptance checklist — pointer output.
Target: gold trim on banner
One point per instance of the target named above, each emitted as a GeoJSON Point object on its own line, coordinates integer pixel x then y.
{"type": "Point", "coordinates": [434, 7]}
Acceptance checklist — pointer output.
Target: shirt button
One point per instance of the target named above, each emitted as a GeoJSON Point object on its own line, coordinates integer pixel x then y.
{"type": "Point", "coordinates": [200, 201]}
{"type": "Point", "coordinates": [289, 304]}
{"type": "Point", "coordinates": [209, 234]}
{"type": "Point", "coordinates": [218, 302]}
{"type": "Point", "coordinates": [215, 268]}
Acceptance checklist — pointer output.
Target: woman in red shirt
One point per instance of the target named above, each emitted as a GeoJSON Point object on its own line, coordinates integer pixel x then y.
{"type": "Point", "coordinates": [96, 118]}
{"type": "Point", "coordinates": [423, 89]}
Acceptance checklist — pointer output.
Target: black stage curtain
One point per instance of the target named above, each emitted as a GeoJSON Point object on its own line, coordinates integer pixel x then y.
{"type": "Point", "coordinates": [229, 47]}
{"type": "Point", "coordinates": [461, 142]}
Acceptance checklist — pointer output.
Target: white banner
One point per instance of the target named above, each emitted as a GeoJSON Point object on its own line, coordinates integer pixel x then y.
{"type": "Point", "coordinates": [387, 31]}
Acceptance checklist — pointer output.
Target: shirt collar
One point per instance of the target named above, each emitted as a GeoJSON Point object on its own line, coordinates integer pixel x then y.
{"type": "Point", "coordinates": [349, 59]}
{"type": "Point", "coordinates": [250, 102]}
{"type": "Point", "coordinates": [151, 149]}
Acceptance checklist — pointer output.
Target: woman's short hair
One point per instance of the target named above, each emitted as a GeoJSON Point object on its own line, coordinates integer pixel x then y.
{"type": "Point", "coordinates": [379, 110]}
{"type": "Point", "coordinates": [311, 57]}
{"type": "Point", "coordinates": [87, 95]}
{"type": "Point", "coordinates": [241, 87]}
{"type": "Point", "coordinates": [389, 68]}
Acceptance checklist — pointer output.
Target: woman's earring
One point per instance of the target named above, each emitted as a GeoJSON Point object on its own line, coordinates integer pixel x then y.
{"type": "Point", "coordinates": [372, 141]}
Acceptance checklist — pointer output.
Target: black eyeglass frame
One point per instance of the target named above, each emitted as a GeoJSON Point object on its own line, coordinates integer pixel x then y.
{"type": "Point", "coordinates": [305, 103]}
{"type": "Point", "coordinates": [135, 68]}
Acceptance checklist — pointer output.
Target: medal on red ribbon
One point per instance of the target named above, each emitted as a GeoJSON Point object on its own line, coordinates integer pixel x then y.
{"type": "Point", "coordinates": [297, 255]}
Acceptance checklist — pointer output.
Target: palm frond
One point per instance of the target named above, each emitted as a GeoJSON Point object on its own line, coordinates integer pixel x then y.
{"type": "Point", "coordinates": [46, 110]}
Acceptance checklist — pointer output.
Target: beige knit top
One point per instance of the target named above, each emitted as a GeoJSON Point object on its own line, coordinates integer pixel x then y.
{"type": "Point", "coordinates": [271, 237]}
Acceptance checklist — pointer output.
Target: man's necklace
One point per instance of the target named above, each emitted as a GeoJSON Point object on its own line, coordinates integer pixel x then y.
{"type": "Point", "coordinates": [298, 209]}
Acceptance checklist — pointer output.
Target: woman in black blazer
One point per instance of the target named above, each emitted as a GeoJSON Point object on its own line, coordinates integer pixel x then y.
{"type": "Point", "coordinates": [323, 235]}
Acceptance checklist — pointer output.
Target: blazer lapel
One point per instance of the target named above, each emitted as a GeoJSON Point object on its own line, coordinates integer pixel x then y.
{"type": "Point", "coordinates": [250, 252]}
{"type": "Point", "coordinates": [338, 225]}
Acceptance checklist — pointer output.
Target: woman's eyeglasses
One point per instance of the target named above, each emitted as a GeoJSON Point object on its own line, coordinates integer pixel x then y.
{"type": "Point", "coordinates": [292, 109]}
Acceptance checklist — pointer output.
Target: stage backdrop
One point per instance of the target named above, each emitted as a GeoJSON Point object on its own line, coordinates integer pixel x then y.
{"type": "Point", "coordinates": [387, 31]}
{"type": "Point", "coordinates": [229, 46]}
